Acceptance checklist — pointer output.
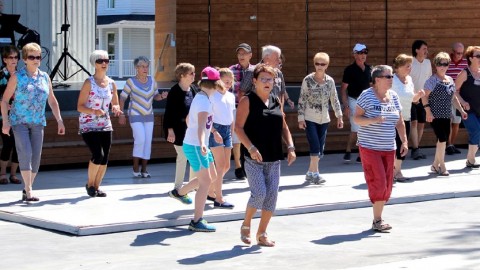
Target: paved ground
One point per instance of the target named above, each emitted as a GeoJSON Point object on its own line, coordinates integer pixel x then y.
{"type": "Point", "coordinates": [134, 204]}
{"type": "Point", "coordinates": [440, 234]}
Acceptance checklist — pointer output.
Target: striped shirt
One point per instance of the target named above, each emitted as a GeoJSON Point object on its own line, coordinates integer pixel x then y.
{"type": "Point", "coordinates": [455, 68]}
{"type": "Point", "coordinates": [140, 108]}
{"type": "Point", "coordinates": [379, 136]}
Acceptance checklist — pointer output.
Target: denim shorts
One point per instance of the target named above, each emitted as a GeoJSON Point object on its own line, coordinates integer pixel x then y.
{"type": "Point", "coordinates": [472, 124]}
{"type": "Point", "coordinates": [195, 158]}
{"type": "Point", "coordinates": [316, 134]}
{"type": "Point", "coordinates": [226, 134]}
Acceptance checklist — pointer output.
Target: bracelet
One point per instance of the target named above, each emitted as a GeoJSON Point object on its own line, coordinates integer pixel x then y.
{"type": "Point", "coordinates": [60, 121]}
{"type": "Point", "coordinates": [291, 147]}
{"type": "Point", "coordinates": [251, 147]}
{"type": "Point", "coordinates": [426, 105]}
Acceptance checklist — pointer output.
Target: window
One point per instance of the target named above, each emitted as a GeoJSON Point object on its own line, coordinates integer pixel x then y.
{"type": "Point", "coordinates": [111, 3]}
{"type": "Point", "coordinates": [111, 45]}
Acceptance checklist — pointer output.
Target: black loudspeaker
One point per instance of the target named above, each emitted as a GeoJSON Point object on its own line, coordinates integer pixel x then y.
{"type": "Point", "coordinates": [30, 36]}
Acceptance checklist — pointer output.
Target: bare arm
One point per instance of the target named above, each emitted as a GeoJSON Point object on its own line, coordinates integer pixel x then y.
{"type": "Point", "coordinates": [361, 120]}
{"type": "Point", "coordinates": [52, 101]}
{"type": "Point", "coordinates": [344, 96]}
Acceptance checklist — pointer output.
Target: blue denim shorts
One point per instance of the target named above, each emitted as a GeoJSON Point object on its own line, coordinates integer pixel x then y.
{"type": "Point", "coordinates": [226, 134]}
{"type": "Point", "coordinates": [195, 158]}
{"type": "Point", "coordinates": [316, 134]}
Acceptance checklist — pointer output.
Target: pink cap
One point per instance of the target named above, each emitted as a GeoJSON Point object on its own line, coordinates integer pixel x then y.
{"type": "Point", "coordinates": [209, 73]}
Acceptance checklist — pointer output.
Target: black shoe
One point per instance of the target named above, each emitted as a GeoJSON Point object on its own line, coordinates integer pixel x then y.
{"type": "Point", "coordinates": [456, 150]}
{"type": "Point", "coordinates": [359, 160]}
{"type": "Point", "coordinates": [100, 193]}
{"type": "Point", "coordinates": [91, 191]}
{"type": "Point", "coordinates": [239, 174]}
{"type": "Point", "coordinates": [225, 205]}
{"type": "Point", "coordinates": [211, 198]}
{"type": "Point", "coordinates": [450, 150]}
{"type": "Point", "coordinates": [347, 157]}
{"type": "Point", "coordinates": [24, 195]}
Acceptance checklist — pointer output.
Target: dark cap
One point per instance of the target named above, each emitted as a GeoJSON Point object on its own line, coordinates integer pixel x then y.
{"type": "Point", "coordinates": [244, 46]}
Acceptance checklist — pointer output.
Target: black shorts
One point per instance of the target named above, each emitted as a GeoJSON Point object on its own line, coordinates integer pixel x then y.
{"type": "Point", "coordinates": [441, 127]}
{"type": "Point", "coordinates": [418, 113]}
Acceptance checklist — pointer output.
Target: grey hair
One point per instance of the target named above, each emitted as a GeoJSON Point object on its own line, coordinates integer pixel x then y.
{"type": "Point", "coordinates": [269, 49]}
{"type": "Point", "coordinates": [377, 71]}
{"type": "Point", "coordinates": [141, 59]}
{"type": "Point", "coordinates": [98, 54]}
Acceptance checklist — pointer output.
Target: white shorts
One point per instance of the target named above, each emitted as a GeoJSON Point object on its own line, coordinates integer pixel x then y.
{"type": "Point", "coordinates": [454, 117]}
{"type": "Point", "coordinates": [352, 103]}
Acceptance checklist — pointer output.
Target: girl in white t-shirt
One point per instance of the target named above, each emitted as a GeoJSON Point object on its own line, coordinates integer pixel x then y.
{"type": "Point", "coordinates": [223, 103]}
{"type": "Point", "coordinates": [195, 147]}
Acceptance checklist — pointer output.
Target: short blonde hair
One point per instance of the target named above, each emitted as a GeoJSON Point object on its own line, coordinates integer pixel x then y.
{"type": "Point", "coordinates": [322, 56]}
{"type": "Point", "coordinates": [182, 69]}
{"type": "Point", "coordinates": [440, 57]}
{"type": "Point", "coordinates": [226, 72]}
{"type": "Point", "coordinates": [30, 47]}
{"type": "Point", "coordinates": [98, 54]}
{"type": "Point", "coordinates": [402, 60]}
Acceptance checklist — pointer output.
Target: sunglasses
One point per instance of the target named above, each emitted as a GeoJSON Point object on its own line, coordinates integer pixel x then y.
{"type": "Point", "coordinates": [31, 57]}
{"type": "Point", "coordinates": [386, 77]}
{"type": "Point", "coordinates": [361, 52]}
{"type": "Point", "coordinates": [320, 64]}
{"type": "Point", "coordinates": [99, 61]}
{"type": "Point", "coordinates": [443, 64]}
{"type": "Point", "coordinates": [12, 57]}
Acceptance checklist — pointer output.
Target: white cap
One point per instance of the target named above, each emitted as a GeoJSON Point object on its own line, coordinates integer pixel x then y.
{"type": "Point", "coordinates": [358, 47]}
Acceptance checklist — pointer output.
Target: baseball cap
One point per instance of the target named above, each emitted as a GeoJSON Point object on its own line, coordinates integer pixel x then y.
{"type": "Point", "coordinates": [244, 46]}
{"type": "Point", "coordinates": [209, 73]}
{"type": "Point", "coordinates": [358, 47]}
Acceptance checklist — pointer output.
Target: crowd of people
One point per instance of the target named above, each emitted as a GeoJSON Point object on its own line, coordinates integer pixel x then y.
{"type": "Point", "coordinates": [239, 110]}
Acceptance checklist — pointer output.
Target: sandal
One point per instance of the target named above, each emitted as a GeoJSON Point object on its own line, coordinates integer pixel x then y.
{"type": "Point", "coordinates": [245, 237]}
{"type": "Point", "coordinates": [3, 179]}
{"type": "Point", "coordinates": [262, 240]}
{"type": "Point", "coordinates": [379, 226]}
{"type": "Point", "coordinates": [473, 165]}
{"type": "Point", "coordinates": [14, 180]}
{"type": "Point", "coordinates": [434, 170]}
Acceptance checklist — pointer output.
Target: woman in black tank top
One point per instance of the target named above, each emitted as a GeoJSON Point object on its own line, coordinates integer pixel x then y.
{"type": "Point", "coordinates": [468, 94]}
{"type": "Point", "coordinates": [261, 126]}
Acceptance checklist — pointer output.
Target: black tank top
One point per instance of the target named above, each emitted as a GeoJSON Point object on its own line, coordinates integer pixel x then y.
{"type": "Point", "coordinates": [470, 92]}
{"type": "Point", "coordinates": [264, 127]}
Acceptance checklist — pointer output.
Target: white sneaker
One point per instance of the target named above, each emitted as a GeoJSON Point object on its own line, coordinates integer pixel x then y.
{"type": "Point", "coordinates": [145, 175]}
{"type": "Point", "coordinates": [137, 174]}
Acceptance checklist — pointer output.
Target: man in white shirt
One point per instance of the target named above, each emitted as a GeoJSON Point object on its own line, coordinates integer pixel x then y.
{"type": "Point", "coordinates": [421, 71]}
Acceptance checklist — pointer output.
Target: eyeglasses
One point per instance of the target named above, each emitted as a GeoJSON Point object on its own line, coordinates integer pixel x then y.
{"type": "Point", "coordinates": [320, 64]}
{"type": "Point", "coordinates": [31, 57]}
{"type": "Point", "coordinates": [266, 80]}
{"type": "Point", "coordinates": [443, 64]}
{"type": "Point", "coordinates": [476, 56]}
{"type": "Point", "coordinates": [386, 76]}
{"type": "Point", "coordinates": [459, 53]}
{"type": "Point", "coordinates": [362, 52]}
{"type": "Point", "coordinates": [99, 61]}
{"type": "Point", "coordinates": [12, 57]}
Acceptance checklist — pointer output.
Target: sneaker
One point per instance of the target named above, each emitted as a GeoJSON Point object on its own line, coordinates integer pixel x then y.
{"type": "Point", "coordinates": [137, 174]}
{"type": "Point", "coordinates": [347, 157]}
{"type": "Point", "coordinates": [185, 199]}
{"type": "Point", "coordinates": [146, 175]}
{"type": "Point", "coordinates": [240, 174]}
{"type": "Point", "coordinates": [91, 191]}
{"type": "Point", "coordinates": [201, 226]}
{"type": "Point", "coordinates": [380, 226]}
{"type": "Point", "coordinates": [309, 177]}
{"type": "Point", "coordinates": [225, 205]}
{"type": "Point", "coordinates": [416, 155]}
{"type": "Point", "coordinates": [450, 150]}
{"type": "Point", "coordinates": [317, 179]}
{"type": "Point", "coordinates": [359, 160]}
{"type": "Point", "coordinates": [455, 149]}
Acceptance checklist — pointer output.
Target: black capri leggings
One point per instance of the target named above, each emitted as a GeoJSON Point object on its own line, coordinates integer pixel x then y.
{"type": "Point", "coordinates": [399, 142]}
{"type": "Point", "coordinates": [99, 143]}
{"type": "Point", "coordinates": [441, 127]}
{"type": "Point", "coordinates": [8, 144]}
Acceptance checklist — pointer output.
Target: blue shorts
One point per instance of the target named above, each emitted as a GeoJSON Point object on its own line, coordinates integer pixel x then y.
{"type": "Point", "coordinates": [226, 134]}
{"type": "Point", "coordinates": [195, 158]}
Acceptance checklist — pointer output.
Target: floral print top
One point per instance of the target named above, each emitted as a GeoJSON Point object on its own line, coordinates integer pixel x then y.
{"type": "Point", "coordinates": [99, 98]}
{"type": "Point", "coordinates": [314, 98]}
{"type": "Point", "coordinates": [31, 94]}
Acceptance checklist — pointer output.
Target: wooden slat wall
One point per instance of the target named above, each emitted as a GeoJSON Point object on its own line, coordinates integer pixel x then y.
{"type": "Point", "coordinates": [334, 27]}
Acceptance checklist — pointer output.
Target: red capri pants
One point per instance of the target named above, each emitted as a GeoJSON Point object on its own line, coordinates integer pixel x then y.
{"type": "Point", "coordinates": [378, 170]}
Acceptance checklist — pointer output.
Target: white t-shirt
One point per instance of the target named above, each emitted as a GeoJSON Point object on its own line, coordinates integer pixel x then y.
{"type": "Point", "coordinates": [223, 108]}
{"type": "Point", "coordinates": [200, 103]}
{"type": "Point", "coordinates": [420, 73]}
{"type": "Point", "coordinates": [405, 93]}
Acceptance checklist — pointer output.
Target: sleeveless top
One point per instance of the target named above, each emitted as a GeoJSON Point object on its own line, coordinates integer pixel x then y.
{"type": "Point", "coordinates": [99, 98]}
{"type": "Point", "coordinates": [470, 92]}
{"type": "Point", "coordinates": [263, 127]}
{"type": "Point", "coordinates": [31, 96]}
